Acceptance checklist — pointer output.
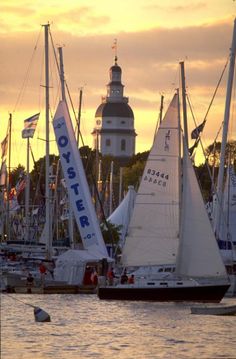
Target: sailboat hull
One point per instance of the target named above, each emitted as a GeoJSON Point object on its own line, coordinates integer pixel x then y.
{"type": "Point", "coordinates": [200, 293]}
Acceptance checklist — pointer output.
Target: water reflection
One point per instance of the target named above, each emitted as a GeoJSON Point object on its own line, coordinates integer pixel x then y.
{"type": "Point", "coordinates": [82, 326]}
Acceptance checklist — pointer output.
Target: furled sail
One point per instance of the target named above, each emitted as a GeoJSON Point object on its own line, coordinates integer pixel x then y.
{"type": "Point", "coordinates": [154, 228]}
{"type": "Point", "coordinates": [76, 182]}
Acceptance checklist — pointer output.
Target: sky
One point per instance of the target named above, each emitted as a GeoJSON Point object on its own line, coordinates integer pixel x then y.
{"type": "Point", "coordinates": [153, 36]}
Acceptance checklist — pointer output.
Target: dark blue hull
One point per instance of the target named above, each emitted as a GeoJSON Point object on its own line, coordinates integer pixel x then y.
{"type": "Point", "coordinates": [204, 293]}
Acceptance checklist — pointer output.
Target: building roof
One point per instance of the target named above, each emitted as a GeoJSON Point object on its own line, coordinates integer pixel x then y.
{"type": "Point", "coordinates": [114, 109]}
{"type": "Point", "coordinates": [115, 68]}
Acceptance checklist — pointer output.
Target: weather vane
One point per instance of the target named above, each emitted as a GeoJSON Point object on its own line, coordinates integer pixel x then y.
{"type": "Point", "coordinates": [114, 47]}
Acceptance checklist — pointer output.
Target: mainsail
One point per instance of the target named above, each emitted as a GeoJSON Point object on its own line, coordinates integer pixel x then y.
{"type": "Point", "coordinates": [154, 228]}
{"type": "Point", "coordinates": [76, 182]}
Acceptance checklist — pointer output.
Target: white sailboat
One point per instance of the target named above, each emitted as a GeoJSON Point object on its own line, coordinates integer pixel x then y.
{"type": "Point", "coordinates": [170, 226]}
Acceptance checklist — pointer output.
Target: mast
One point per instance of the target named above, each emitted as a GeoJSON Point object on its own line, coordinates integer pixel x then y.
{"type": "Point", "coordinates": [184, 102]}
{"type": "Point", "coordinates": [220, 180]}
{"type": "Point", "coordinates": [63, 97]}
{"type": "Point", "coordinates": [27, 192]}
{"type": "Point", "coordinates": [8, 180]}
{"type": "Point", "coordinates": [48, 229]}
{"type": "Point", "coordinates": [111, 188]}
{"type": "Point", "coordinates": [62, 77]}
{"type": "Point", "coordinates": [79, 115]}
{"type": "Point", "coordinates": [160, 116]}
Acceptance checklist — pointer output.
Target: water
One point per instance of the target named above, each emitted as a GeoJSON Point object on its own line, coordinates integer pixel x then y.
{"type": "Point", "coordinates": [82, 326]}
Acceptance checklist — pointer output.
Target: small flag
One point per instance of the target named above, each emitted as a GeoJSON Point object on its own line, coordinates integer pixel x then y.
{"type": "Point", "coordinates": [30, 126]}
{"type": "Point", "coordinates": [20, 186]}
{"type": "Point", "coordinates": [195, 133]}
{"type": "Point", "coordinates": [4, 146]}
{"type": "Point", "coordinates": [3, 174]}
{"type": "Point", "coordinates": [191, 149]}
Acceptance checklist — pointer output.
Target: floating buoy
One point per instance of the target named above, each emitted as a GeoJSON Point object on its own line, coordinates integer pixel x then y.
{"type": "Point", "coordinates": [40, 315]}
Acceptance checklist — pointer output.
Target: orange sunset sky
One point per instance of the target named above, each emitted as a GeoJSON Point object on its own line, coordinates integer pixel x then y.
{"type": "Point", "coordinates": [152, 36]}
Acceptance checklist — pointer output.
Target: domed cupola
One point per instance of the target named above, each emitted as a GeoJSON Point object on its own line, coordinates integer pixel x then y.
{"type": "Point", "coordinates": [114, 132]}
{"type": "Point", "coordinates": [115, 88]}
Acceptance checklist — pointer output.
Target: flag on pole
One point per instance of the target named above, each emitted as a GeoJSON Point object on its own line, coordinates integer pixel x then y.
{"type": "Point", "coordinates": [196, 132]}
{"type": "Point", "coordinates": [3, 174]}
{"type": "Point", "coordinates": [30, 126]}
{"type": "Point", "coordinates": [4, 146]}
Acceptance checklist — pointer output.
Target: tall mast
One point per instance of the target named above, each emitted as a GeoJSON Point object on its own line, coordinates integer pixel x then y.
{"type": "Point", "coordinates": [79, 115]}
{"type": "Point", "coordinates": [62, 77]}
{"type": "Point", "coordinates": [111, 188]}
{"type": "Point", "coordinates": [225, 131]}
{"type": "Point", "coordinates": [27, 192]}
{"type": "Point", "coordinates": [160, 117]}
{"type": "Point", "coordinates": [48, 230]}
{"type": "Point", "coordinates": [63, 97]}
{"type": "Point", "coordinates": [8, 180]}
{"type": "Point", "coordinates": [184, 102]}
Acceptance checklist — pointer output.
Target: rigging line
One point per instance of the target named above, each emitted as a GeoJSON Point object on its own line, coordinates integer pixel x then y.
{"type": "Point", "coordinates": [21, 301]}
{"type": "Point", "coordinates": [20, 95]}
{"type": "Point", "coordinates": [213, 97]}
{"type": "Point", "coordinates": [67, 88]}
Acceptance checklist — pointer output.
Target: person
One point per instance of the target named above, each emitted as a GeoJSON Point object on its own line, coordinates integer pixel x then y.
{"type": "Point", "coordinates": [29, 282]}
{"type": "Point", "coordinates": [131, 279]}
{"type": "Point", "coordinates": [42, 270]}
{"type": "Point", "coordinates": [124, 278]}
{"type": "Point", "coordinates": [94, 277]}
{"type": "Point", "coordinates": [110, 276]}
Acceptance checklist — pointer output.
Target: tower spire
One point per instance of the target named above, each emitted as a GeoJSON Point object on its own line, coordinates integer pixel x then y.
{"type": "Point", "coordinates": [114, 47]}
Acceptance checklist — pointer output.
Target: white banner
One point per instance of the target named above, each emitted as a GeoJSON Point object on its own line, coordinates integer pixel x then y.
{"type": "Point", "coordinates": [76, 182]}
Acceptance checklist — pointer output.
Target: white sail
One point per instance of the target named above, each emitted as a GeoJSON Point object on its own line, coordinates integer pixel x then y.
{"type": "Point", "coordinates": [122, 214]}
{"type": "Point", "coordinates": [154, 228]}
{"type": "Point", "coordinates": [198, 254]}
{"type": "Point", "coordinates": [76, 182]}
{"type": "Point", "coordinates": [228, 218]}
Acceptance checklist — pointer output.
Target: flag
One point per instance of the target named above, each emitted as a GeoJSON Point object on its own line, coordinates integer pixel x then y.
{"type": "Point", "coordinates": [4, 146]}
{"type": "Point", "coordinates": [30, 126]}
{"type": "Point", "coordinates": [20, 186]}
{"type": "Point", "coordinates": [3, 174]}
{"type": "Point", "coordinates": [195, 133]}
{"type": "Point", "coordinates": [191, 149]}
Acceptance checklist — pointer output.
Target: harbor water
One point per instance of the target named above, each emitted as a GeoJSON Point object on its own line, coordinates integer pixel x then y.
{"type": "Point", "coordinates": [82, 326]}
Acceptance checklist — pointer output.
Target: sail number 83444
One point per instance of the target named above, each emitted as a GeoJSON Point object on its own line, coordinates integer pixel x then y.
{"type": "Point", "coordinates": [156, 177]}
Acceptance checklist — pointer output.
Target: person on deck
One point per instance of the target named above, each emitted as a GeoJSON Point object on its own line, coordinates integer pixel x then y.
{"type": "Point", "coordinates": [43, 272]}
{"type": "Point", "coordinates": [29, 282]}
{"type": "Point", "coordinates": [110, 276]}
{"type": "Point", "coordinates": [124, 278]}
{"type": "Point", "coordinates": [131, 279]}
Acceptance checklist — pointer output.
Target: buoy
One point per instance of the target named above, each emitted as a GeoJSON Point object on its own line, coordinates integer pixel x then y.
{"type": "Point", "coordinates": [40, 315]}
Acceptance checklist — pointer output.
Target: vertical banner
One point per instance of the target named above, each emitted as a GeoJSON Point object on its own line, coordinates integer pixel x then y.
{"type": "Point", "coordinates": [76, 182]}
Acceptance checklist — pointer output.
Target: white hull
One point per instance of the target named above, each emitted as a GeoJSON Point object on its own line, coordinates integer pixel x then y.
{"type": "Point", "coordinates": [218, 310]}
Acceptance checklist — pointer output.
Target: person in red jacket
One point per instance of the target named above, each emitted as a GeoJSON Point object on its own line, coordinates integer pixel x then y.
{"type": "Point", "coordinates": [43, 271]}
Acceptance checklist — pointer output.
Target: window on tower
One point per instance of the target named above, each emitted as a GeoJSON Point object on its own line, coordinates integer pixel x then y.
{"type": "Point", "coordinates": [123, 145]}
{"type": "Point", "coordinates": [108, 142]}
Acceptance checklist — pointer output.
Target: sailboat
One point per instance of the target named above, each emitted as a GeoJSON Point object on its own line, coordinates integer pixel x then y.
{"type": "Point", "coordinates": [224, 200]}
{"type": "Point", "coordinates": [170, 226]}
